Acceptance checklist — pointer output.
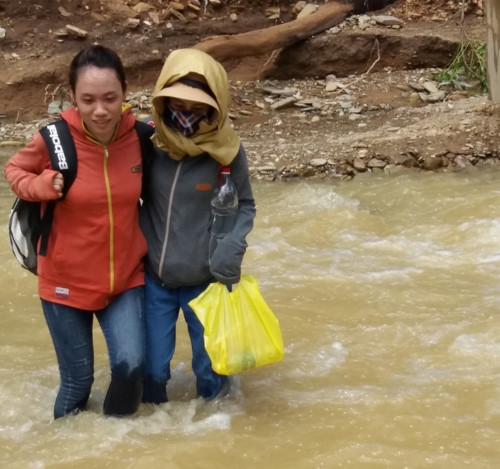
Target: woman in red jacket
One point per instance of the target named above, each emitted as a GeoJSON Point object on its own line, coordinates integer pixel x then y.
{"type": "Point", "coordinates": [93, 266]}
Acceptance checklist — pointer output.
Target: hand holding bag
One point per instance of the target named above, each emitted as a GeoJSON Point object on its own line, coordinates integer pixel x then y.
{"type": "Point", "coordinates": [241, 332]}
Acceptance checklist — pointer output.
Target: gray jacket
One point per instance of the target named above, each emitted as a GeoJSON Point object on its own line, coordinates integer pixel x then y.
{"type": "Point", "coordinates": [176, 216]}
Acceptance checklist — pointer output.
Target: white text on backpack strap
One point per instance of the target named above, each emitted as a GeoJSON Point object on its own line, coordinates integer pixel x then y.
{"type": "Point", "coordinates": [54, 136]}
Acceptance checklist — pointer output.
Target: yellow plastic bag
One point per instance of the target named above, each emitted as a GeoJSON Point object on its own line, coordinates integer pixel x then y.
{"type": "Point", "coordinates": [241, 332]}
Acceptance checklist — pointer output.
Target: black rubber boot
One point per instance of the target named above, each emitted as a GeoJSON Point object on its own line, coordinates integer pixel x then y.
{"type": "Point", "coordinates": [124, 395]}
{"type": "Point", "coordinates": [155, 392]}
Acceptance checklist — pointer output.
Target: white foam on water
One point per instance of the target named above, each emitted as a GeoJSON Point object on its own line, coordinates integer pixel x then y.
{"type": "Point", "coordinates": [479, 346]}
{"type": "Point", "coordinates": [26, 419]}
{"type": "Point", "coordinates": [320, 362]}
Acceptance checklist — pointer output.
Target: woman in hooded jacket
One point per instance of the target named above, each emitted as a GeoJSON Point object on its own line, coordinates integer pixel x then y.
{"type": "Point", "coordinates": [193, 141]}
{"type": "Point", "coordinates": [93, 266]}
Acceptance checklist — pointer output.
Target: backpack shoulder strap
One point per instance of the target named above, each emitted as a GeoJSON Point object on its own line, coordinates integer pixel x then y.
{"type": "Point", "coordinates": [62, 151]}
{"type": "Point", "coordinates": [62, 154]}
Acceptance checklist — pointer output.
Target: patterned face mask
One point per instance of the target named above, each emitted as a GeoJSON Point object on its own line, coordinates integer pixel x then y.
{"type": "Point", "coordinates": [185, 122]}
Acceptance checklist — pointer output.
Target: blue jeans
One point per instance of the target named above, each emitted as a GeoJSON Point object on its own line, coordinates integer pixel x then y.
{"type": "Point", "coordinates": [162, 311]}
{"type": "Point", "coordinates": [122, 323]}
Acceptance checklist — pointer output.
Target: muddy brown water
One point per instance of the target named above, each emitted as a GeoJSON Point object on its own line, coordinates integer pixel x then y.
{"type": "Point", "coordinates": [387, 291]}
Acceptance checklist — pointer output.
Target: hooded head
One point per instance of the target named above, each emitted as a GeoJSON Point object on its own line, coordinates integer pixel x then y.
{"type": "Point", "coordinates": [193, 75]}
{"type": "Point", "coordinates": [192, 87]}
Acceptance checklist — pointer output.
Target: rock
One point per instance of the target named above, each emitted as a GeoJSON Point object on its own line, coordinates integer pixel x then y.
{"type": "Point", "coordinates": [233, 17]}
{"type": "Point", "coordinates": [430, 86]}
{"type": "Point", "coordinates": [266, 169]}
{"type": "Point", "coordinates": [283, 103]}
{"type": "Point", "coordinates": [344, 105]}
{"type": "Point", "coordinates": [365, 21]}
{"type": "Point", "coordinates": [61, 33]}
{"type": "Point", "coordinates": [141, 7]}
{"type": "Point", "coordinates": [460, 162]}
{"type": "Point", "coordinates": [193, 7]}
{"type": "Point", "coordinates": [308, 172]}
{"type": "Point", "coordinates": [432, 163]}
{"type": "Point", "coordinates": [75, 31]}
{"type": "Point", "coordinates": [177, 6]}
{"type": "Point", "coordinates": [3, 33]}
{"type": "Point", "coordinates": [280, 92]}
{"type": "Point", "coordinates": [359, 165]}
{"type": "Point", "coordinates": [334, 30]}
{"type": "Point", "coordinates": [416, 86]}
{"type": "Point", "coordinates": [132, 23]}
{"type": "Point", "coordinates": [356, 110]}
{"type": "Point", "coordinates": [273, 13]}
{"type": "Point", "coordinates": [309, 105]}
{"type": "Point", "coordinates": [177, 14]}
{"type": "Point", "coordinates": [317, 162]}
{"type": "Point", "coordinates": [414, 98]}
{"type": "Point", "coordinates": [154, 17]}
{"type": "Point", "coordinates": [394, 169]}
{"type": "Point", "coordinates": [405, 160]}
{"type": "Point", "coordinates": [388, 20]}
{"type": "Point", "coordinates": [376, 163]}
{"type": "Point", "coordinates": [331, 86]}
{"type": "Point", "coordinates": [432, 97]}
{"type": "Point", "coordinates": [63, 11]}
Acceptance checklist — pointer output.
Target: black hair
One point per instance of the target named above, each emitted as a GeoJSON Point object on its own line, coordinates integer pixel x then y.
{"type": "Point", "coordinates": [194, 83]}
{"type": "Point", "coordinates": [100, 57]}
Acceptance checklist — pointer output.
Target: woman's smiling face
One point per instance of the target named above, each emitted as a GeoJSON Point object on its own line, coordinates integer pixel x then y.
{"type": "Point", "coordinates": [98, 95]}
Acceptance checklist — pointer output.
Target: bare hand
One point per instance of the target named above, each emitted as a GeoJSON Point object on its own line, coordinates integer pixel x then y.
{"type": "Point", "coordinates": [58, 183]}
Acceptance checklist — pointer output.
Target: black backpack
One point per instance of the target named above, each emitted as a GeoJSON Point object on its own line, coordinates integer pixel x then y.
{"type": "Point", "coordinates": [26, 225]}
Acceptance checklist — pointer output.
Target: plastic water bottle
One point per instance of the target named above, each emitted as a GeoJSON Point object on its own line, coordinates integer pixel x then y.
{"type": "Point", "coordinates": [224, 207]}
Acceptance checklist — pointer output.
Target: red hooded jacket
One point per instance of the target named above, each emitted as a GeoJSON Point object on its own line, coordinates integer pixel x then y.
{"type": "Point", "coordinates": [96, 247]}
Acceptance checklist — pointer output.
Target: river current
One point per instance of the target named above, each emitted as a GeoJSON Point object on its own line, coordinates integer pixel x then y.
{"type": "Point", "coordinates": [387, 292]}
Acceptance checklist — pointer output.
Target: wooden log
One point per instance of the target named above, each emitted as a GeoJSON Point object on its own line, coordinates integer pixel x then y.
{"type": "Point", "coordinates": [493, 50]}
{"type": "Point", "coordinates": [261, 41]}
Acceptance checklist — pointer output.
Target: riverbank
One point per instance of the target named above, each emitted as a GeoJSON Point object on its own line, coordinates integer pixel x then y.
{"type": "Point", "coordinates": [338, 127]}
{"type": "Point", "coordinates": [360, 97]}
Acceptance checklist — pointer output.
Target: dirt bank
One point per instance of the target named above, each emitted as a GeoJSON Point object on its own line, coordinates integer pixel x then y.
{"type": "Point", "coordinates": [358, 100]}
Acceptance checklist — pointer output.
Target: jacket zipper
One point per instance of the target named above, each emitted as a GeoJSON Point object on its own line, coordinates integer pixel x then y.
{"type": "Point", "coordinates": [169, 215]}
{"type": "Point", "coordinates": [111, 224]}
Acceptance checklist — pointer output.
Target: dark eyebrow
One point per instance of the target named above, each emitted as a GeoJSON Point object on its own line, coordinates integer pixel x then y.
{"type": "Point", "coordinates": [107, 95]}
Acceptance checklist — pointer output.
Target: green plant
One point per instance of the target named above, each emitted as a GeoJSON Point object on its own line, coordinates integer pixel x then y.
{"type": "Point", "coordinates": [469, 63]}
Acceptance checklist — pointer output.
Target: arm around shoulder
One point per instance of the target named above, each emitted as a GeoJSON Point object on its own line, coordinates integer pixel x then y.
{"type": "Point", "coordinates": [29, 173]}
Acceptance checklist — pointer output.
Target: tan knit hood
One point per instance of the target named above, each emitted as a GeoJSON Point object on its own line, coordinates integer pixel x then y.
{"type": "Point", "coordinates": [217, 138]}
